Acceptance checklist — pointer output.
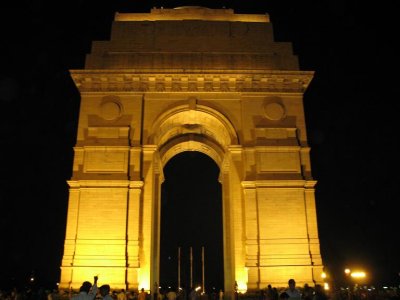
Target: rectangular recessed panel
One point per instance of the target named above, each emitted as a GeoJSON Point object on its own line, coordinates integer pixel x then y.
{"type": "Point", "coordinates": [278, 162]}
{"type": "Point", "coordinates": [106, 161]}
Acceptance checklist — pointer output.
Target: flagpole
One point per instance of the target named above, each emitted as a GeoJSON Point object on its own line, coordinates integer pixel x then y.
{"type": "Point", "coordinates": [202, 267]}
{"type": "Point", "coordinates": [179, 268]}
{"type": "Point", "coordinates": [191, 267]}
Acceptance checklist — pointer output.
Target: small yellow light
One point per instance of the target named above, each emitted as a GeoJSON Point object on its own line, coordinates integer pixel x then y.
{"type": "Point", "coordinates": [323, 275]}
{"type": "Point", "coordinates": [358, 274]}
{"type": "Point", "coordinates": [347, 271]}
{"type": "Point", "coordinates": [326, 286]}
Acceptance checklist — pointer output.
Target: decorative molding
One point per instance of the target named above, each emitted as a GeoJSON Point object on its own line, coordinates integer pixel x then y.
{"type": "Point", "coordinates": [279, 183]}
{"type": "Point", "coordinates": [191, 81]}
{"type": "Point", "coordinates": [310, 184]}
{"type": "Point", "coordinates": [277, 148]}
{"type": "Point", "coordinates": [98, 183]}
{"type": "Point", "coordinates": [136, 184]}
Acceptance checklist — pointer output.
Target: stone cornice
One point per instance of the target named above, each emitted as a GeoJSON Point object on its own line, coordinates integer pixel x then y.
{"type": "Point", "coordinates": [191, 81]}
{"type": "Point", "coordinates": [279, 183]}
{"type": "Point", "coordinates": [97, 183]}
{"type": "Point", "coordinates": [104, 183]}
{"type": "Point", "coordinates": [277, 148]}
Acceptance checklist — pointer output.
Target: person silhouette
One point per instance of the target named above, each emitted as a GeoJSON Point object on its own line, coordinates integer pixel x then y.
{"type": "Point", "coordinates": [105, 292]}
{"type": "Point", "coordinates": [87, 291]}
{"type": "Point", "coordinates": [292, 291]}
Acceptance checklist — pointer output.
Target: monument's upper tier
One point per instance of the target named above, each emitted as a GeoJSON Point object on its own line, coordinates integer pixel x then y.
{"type": "Point", "coordinates": [191, 38]}
{"type": "Point", "coordinates": [192, 13]}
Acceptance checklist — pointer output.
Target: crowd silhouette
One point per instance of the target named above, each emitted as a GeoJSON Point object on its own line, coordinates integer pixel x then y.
{"type": "Point", "coordinates": [89, 291]}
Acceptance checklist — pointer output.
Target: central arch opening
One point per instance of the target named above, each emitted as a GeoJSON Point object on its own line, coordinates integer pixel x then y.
{"type": "Point", "coordinates": [191, 218]}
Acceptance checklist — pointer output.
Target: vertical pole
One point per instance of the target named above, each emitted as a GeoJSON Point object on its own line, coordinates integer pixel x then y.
{"type": "Point", "coordinates": [179, 268]}
{"type": "Point", "coordinates": [191, 267]}
{"type": "Point", "coordinates": [202, 268]}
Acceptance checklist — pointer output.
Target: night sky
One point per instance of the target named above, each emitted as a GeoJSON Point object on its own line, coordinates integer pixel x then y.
{"type": "Point", "coordinates": [350, 106]}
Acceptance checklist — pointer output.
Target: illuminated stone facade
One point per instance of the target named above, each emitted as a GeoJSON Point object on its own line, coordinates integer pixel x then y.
{"type": "Point", "coordinates": [191, 79]}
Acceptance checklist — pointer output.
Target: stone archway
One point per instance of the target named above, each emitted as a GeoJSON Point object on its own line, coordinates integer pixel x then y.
{"type": "Point", "coordinates": [199, 128]}
{"type": "Point", "coordinates": [192, 79]}
{"type": "Point", "coordinates": [191, 240]}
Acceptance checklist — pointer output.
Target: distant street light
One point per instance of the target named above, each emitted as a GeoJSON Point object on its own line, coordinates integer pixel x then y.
{"type": "Point", "coordinates": [358, 274]}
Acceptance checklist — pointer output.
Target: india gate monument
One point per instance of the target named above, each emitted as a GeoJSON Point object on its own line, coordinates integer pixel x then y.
{"type": "Point", "coordinates": [191, 79]}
